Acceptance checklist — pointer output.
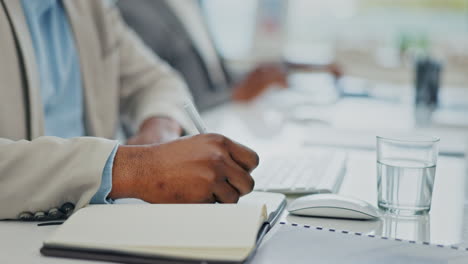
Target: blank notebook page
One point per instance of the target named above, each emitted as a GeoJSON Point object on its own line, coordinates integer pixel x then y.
{"type": "Point", "coordinates": [163, 229]}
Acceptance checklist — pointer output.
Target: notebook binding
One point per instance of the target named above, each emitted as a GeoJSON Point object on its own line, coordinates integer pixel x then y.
{"type": "Point", "coordinates": [376, 237]}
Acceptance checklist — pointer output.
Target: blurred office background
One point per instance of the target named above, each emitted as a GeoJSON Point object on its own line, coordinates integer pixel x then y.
{"type": "Point", "coordinates": [376, 43]}
{"type": "Point", "coordinates": [373, 39]}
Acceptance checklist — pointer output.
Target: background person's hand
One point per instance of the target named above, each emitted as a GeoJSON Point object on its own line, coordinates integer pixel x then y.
{"type": "Point", "coordinates": [199, 169]}
{"type": "Point", "coordinates": [156, 130]}
{"type": "Point", "coordinates": [258, 80]}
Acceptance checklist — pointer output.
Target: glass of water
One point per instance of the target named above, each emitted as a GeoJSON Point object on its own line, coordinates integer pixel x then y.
{"type": "Point", "coordinates": [406, 168]}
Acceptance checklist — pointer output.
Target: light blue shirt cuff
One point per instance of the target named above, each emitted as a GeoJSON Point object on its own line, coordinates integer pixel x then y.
{"type": "Point", "coordinates": [106, 183]}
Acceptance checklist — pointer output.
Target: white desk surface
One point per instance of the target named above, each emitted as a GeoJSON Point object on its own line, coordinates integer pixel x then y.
{"type": "Point", "coordinates": [265, 131]}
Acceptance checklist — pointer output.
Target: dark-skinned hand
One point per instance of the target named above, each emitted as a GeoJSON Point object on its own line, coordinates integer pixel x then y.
{"type": "Point", "coordinates": [258, 80]}
{"type": "Point", "coordinates": [204, 168]}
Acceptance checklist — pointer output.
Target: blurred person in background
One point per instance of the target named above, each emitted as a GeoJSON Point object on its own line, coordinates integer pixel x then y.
{"type": "Point", "coordinates": [177, 32]}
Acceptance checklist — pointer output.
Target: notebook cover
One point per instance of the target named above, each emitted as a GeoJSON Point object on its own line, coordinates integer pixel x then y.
{"type": "Point", "coordinates": [118, 257]}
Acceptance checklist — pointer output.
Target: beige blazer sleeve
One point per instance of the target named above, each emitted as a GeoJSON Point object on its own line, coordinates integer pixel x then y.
{"type": "Point", "coordinates": [48, 172]}
{"type": "Point", "coordinates": [120, 75]}
{"type": "Point", "coordinates": [148, 86]}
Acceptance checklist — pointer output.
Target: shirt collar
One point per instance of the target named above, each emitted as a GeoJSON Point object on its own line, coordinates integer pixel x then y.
{"type": "Point", "coordinates": [38, 7]}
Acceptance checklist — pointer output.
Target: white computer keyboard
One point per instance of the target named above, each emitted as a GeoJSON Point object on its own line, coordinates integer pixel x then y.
{"type": "Point", "coordinates": [301, 172]}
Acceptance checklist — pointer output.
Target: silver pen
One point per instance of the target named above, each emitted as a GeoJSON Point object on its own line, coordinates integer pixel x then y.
{"type": "Point", "coordinates": [195, 117]}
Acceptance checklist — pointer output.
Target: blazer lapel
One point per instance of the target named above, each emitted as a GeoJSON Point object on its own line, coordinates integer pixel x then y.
{"type": "Point", "coordinates": [86, 43]}
{"type": "Point", "coordinates": [21, 29]}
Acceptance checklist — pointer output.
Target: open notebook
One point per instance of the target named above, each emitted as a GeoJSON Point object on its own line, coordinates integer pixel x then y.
{"type": "Point", "coordinates": [145, 233]}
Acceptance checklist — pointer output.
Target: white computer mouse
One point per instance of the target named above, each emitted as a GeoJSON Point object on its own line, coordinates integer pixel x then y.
{"type": "Point", "coordinates": [334, 206]}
